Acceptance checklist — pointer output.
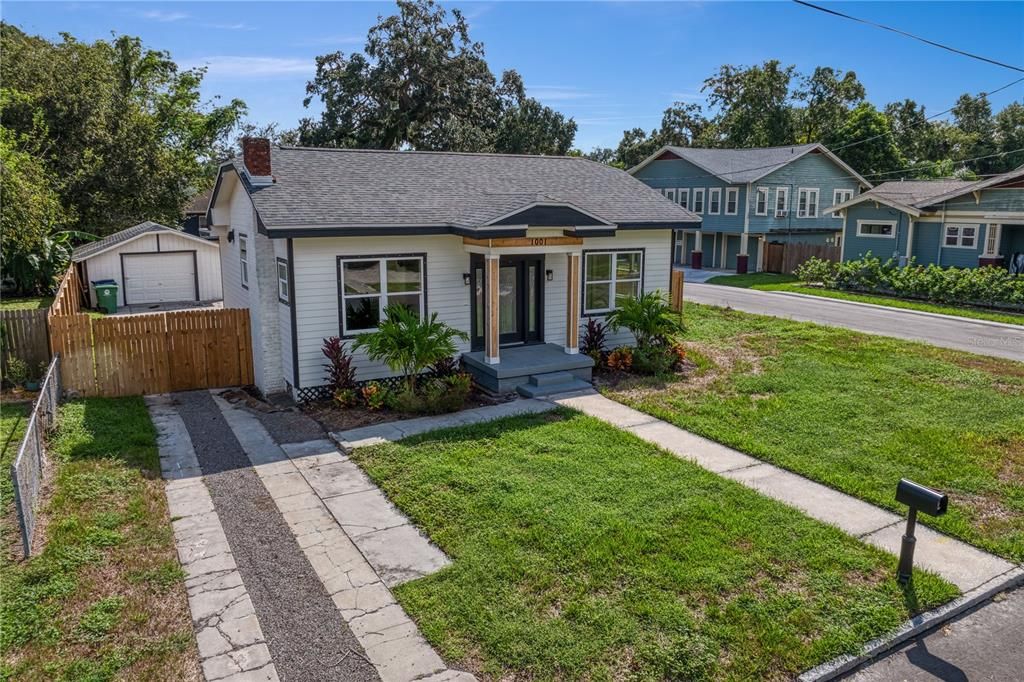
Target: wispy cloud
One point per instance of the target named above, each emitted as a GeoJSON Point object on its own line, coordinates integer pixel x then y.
{"type": "Point", "coordinates": [162, 16]}
{"type": "Point", "coordinates": [476, 10]}
{"type": "Point", "coordinates": [234, 66]}
{"type": "Point", "coordinates": [239, 26]}
{"type": "Point", "coordinates": [557, 93]}
{"type": "Point", "coordinates": [320, 41]}
{"type": "Point", "coordinates": [688, 95]}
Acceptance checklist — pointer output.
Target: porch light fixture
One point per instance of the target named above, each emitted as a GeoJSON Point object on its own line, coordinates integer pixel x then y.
{"type": "Point", "coordinates": [465, 278]}
{"type": "Point", "coordinates": [231, 236]}
{"type": "Point", "coordinates": [549, 275]}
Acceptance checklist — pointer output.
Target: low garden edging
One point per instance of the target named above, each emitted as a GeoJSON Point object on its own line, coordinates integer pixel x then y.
{"type": "Point", "coordinates": [989, 287]}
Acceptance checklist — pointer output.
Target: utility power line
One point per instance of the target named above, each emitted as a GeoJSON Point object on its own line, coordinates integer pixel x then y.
{"type": "Point", "coordinates": [910, 35]}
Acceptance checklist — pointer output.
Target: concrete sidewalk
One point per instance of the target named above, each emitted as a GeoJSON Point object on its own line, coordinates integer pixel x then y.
{"type": "Point", "coordinates": [963, 565]}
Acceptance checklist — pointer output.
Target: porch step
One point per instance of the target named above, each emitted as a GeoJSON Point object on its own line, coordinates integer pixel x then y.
{"type": "Point", "coordinates": [541, 385]}
{"type": "Point", "coordinates": [551, 378]}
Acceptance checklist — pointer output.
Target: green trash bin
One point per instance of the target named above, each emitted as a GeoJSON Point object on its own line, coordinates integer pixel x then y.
{"type": "Point", "coordinates": [106, 295]}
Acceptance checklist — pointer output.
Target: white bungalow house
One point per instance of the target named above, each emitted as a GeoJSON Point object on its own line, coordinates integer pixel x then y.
{"type": "Point", "coordinates": [516, 251]}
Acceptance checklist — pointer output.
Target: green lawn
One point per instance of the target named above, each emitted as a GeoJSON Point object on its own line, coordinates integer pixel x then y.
{"type": "Point", "coordinates": [32, 303]}
{"type": "Point", "coordinates": [582, 552]}
{"type": "Point", "coordinates": [766, 281]}
{"type": "Point", "coordinates": [13, 421]}
{"type": "Point", "coordinates": [858, 412]}
{"type": "Point", "coordinates": [106, 598]}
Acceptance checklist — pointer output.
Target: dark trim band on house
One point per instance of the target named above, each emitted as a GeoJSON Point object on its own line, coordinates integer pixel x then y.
{"type": "Point", "coordinates": [339, 260]}
{"type": "Point", "coordinates": [195, 268]}
{"type": "Point", "coordinates": [611, 302]}
{"type": "Point", "coordinates": [428, 230]}
{"type": "Point", "coordinates": [293, 313]}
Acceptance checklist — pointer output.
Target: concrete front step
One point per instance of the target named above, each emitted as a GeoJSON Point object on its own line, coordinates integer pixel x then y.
{"type": "Point", "coordinates": [533, 389]}
{"type": "Point", "coordinates": [551, 378]}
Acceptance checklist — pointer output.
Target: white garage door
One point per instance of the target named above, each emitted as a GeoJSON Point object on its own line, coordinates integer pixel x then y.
{"type": "Point", "coordinates": [159, 277]}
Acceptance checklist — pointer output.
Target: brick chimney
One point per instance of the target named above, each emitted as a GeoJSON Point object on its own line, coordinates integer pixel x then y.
{"type": "Point", "coordinates": [256, 156]}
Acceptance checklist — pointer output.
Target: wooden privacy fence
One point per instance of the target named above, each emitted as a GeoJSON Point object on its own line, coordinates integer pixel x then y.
{"type": "Point", "coordinates": [23, 335]}
{"type": "Point", "coordinates": [153, 353]}
{"type": "Point", "coordinates": [786, 257]}
{"type": "Point", "coordinates": [68, 300]}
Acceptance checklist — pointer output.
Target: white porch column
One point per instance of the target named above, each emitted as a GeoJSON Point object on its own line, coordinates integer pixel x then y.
{"type": "Point", "coordinates": [697, 240]}
{"type": "Point", "coordinates": [491, 327]}
{"type": "Point", "coordinates": [572, 305]}
{"type": "Point", "coordinates": [743, 244]}
{"type": "Point", "coordinates": [910, 238]}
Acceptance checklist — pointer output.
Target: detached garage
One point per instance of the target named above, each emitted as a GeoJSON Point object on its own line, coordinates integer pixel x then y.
{"type": "Point", "coordinates": [151, 264]}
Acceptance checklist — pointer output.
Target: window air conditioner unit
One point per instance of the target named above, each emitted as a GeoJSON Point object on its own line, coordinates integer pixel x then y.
{"type": "Point", "coordinates": [780, 213]}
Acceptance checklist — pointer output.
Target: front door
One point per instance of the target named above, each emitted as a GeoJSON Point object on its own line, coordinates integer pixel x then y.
{"type": "Point", "coordinates": [520, 297]}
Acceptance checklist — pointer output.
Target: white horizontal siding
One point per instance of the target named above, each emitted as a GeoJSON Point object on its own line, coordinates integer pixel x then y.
{"type": "Point", "coordinates": [316, 292]}
{"type": "Point", "coordinates": [107, 265]}
{"type": "Point", "coordinates": [657, 274]}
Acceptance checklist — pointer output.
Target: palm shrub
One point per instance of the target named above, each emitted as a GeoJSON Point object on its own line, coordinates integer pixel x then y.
{"type": "Point", "coordinates": [408, 344]}
{"type": "Point", "coordinates": [649, 318]}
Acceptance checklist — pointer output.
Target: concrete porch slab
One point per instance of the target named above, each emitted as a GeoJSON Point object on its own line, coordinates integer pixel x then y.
{"type": "Point", "coordinates": [517, 364]}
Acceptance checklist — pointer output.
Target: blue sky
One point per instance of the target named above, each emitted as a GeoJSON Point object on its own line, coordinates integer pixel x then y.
{"type": "Point", "coordinates": [610, 65]}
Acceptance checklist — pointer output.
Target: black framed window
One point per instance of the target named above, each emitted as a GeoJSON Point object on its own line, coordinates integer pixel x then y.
{"type": "Point", "coordinates": [367, 285]}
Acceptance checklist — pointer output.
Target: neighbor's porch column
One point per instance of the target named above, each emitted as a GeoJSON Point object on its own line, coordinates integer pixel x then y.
{"type": "Point", "coordinates": [742, 257]}
{"type": "Point", "coordinates": [491, 309]}
{"type": "Point", "coordinates": [572, 305]}
{"type": "Point", "coordinates": [910, 238]}
{"type": "Point", "coordinates": [697, 257]}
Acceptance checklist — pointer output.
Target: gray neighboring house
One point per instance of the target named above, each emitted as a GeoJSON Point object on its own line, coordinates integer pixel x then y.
{"type": "Point", "coordinates": [516, 251]}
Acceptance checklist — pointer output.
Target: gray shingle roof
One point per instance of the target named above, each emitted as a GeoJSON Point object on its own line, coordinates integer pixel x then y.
{"type": "Point", "coordinates": [85, 251]}
{"type": "Point", "coordinates": [339, 188]}
{"type": "Point", "coordinates": [914, 192]}
{"type": "Point", "coordinates": [742, 165]}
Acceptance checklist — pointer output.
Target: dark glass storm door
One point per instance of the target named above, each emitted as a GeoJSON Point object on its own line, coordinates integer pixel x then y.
{"type": "Point", "coordinates": [520, 297]}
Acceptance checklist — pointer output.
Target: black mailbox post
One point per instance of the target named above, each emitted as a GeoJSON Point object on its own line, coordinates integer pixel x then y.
{"type": "Point", "coordinates": [916, 497]}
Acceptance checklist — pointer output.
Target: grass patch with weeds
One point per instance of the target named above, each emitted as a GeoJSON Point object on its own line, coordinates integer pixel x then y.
{"type": "Point", "coordinates": [13, 422]}
{"type": "Point", "coordinates": [766, 281]}
{"type": "Point", "coordinates": [857, 412]}
{"type": "Point", "coordinates": [582, 552]}
{"type": "Point", "coordinates": [105, 599]}
{"type": "Point", "coordinates": [29, 303]}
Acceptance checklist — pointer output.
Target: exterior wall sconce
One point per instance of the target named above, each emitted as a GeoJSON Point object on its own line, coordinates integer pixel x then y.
{"type": "Point", "coordinates": [549, 275]}
{"type": "Point", "coordinates": [231, 236]}
{"type": "Point", "coordinates": [465, 278]}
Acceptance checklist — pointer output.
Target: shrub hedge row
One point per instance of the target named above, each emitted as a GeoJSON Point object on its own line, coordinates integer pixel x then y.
{"type": "Point", "coordinates": [987, 286]}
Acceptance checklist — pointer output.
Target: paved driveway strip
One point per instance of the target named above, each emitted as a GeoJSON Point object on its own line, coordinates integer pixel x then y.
{"type": "Point", "coordinates": [306, 636]}
{"type": "Point", "coordinates": [230, 641]}
{"type": "Point", "coordinates": [974, 336]}
{"type": "Point", "coordinates": [358, 543]}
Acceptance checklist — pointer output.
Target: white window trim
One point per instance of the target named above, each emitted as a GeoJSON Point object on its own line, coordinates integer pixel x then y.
{"type": "Point", "coordinates": [243, 259]}
{"type": "Point", "coordinates": [670, 193]}
{"type": "Point", "coordinates": [283, 288]}
{"type": "Point", "coordinates": [381, 296]}
{"type": "Point", "coordinates": [611, 282]}
{"type": "Point", "coordinates": [767, 200]}
{"type": "Point", "coordinates": [683, 193]}
{"type": "Point", "coordinates": [960, 236]}
{"type": "Point", "coordinates": [735, 192]}
{"type": "Point", "coordinates": [817, 202]}
{"type": "Point", "coordinates": [837, 199]}
{"type": "Point", "coordinates": [993, 238]}
{"type": "Point", "coordinates": [784, 193]}
{"type": "Point", "coordinates": [715, 191]}
{"type": "Point", "coordinates": [703, 197]}
{"type": "Point", "coordinates": [891, 223]}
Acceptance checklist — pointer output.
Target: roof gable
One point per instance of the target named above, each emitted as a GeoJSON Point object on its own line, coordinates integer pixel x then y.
{"type": "Point", "coordinates": [87, 251]}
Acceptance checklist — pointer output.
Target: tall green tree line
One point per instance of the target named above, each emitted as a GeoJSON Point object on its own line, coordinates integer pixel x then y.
{"type": "Point", "coordinates": [770, 105]}
{"type": "Point", "coordinates": [96, 137]}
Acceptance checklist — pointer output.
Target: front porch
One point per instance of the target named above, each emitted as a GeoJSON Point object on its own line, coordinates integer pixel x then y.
{"type": "Point", "coordinates": [533, 370]}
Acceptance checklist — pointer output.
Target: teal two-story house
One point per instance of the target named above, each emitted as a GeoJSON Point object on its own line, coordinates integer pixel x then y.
{"type": "Point", "coordinates": [747, 198]}
{"type": "Point", "coordinates": [959, 223]}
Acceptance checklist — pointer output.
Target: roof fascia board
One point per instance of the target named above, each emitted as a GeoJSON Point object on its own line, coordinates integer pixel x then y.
{"type": "Point", "coordinates": [891, 203]}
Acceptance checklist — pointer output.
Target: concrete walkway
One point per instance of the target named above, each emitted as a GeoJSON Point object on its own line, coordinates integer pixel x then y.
{"type": "Point", "coordinates": [975, 336]}
{"type": "Point", "coordinates": [963, 565]}
{"type": "Point", "coordinates": [231, 643]}
{"type": "Point", "coordinates": [357, 542]}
